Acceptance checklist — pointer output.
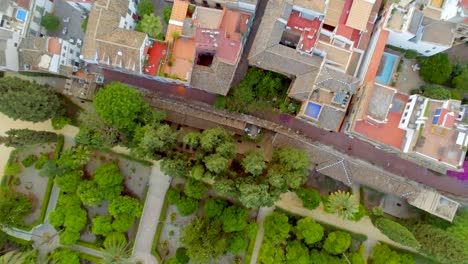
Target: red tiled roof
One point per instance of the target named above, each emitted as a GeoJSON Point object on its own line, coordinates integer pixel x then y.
{"type": "Point", "coordinates": [298, 24]}
{"type": "Point", "coordinates": [155, 53]}
{"type": "Point", "coordinates": [377, 56]}
{"type": "Point", "coordinates": [54, 46]}
{"type": "Point", "coordinates": [23, 3]}
{"type": "Point", "coordinates": [447, 119]}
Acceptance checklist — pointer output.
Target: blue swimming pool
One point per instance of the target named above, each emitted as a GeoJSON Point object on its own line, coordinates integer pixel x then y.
{"type": "Point", "coordinates": [21, 14]}
{"type": "Point", "coordinates": [386, 69]}
{"type": "Point", "coordinates": [313, 110]}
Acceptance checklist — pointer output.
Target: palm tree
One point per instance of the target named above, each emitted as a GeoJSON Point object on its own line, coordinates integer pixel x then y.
{"type": "Point", "coordinates": [343, 204]}
{"type": "Point", "coordinates": [116, 250]}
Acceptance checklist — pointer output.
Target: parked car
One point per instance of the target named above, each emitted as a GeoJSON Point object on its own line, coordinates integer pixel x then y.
{"type": "Point", "coordinates": [66, 20]}
{"type": "Point", "coordinates": [64, 30]}
{"type": "Point", "coordinates": [79, 42]}
{"type": "Point", "coordinates": [71, 40]}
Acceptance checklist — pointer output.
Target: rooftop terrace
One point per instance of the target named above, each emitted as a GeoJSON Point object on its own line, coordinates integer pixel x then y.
{"type": "Point", "coordinates": [306, 28]}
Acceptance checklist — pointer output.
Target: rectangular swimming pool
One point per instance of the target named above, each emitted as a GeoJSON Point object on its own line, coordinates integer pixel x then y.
{"type": "Point", "coordinates": [21, 14]}
{"type": "Point", "coordinates": [313, 110]}
{"type": "Point", "coordinates": [386, 68]}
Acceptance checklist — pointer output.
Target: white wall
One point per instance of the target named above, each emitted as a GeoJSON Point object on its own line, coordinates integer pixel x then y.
{"type": "Point", "coordinates": [402, 40]}
{"type": "Point", "coordinates": [449, 9]}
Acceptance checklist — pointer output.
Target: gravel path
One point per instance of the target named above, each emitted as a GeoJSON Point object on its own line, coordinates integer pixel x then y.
{"type": "Point", "coordinates": [158, 185]}
{"type": "Point", "coordinates": [262, 213]}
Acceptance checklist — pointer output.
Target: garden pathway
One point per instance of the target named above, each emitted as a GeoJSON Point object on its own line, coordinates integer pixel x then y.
{"type": "Point", "coordinates": [262, 213]}
{"type": "Point", "coordinates": [291, 203]}
{"type": "Point", "coordinates": [158, 185]}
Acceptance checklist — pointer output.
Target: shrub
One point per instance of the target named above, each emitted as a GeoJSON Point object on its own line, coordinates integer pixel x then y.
{"type": "Point", "coordinates": [60, 122]}
{"type": "Point", "coordinates": [12, 169]}
{"type": "Point", "coordinates": [220, 102]}
{"type": "Point", "coordinates": [411, 54]}
{"type": "Point", "coordinates": [337, 242]}
{"type": "Point", "coordinates": [435, 92]}
{"type": "Point", "coordinates": [173, 196]}
{"type": "Point", "coordinates": [397, 232]}
{"type": "Point", "coordinates": [50, 22]}
{"type": "Point", "coordinates": [436, 69]}
{"type": "Point", "coordinates": [29, 160]}
{"type": "Point", "coordinates": [360, 214]}
{"type": "Point", "coordinates": [43, 158]}
{"type": "Point", "coordinates": [181, 255]}
{"type": "Point", "coordinates": [310, 198]}
{"type": "Point", "coordinates": [187, 205]}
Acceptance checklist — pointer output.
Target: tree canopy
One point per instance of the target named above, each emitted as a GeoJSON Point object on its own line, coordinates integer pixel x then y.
{"type": "Point", "coordinates": [234, 219]}
{"type": "Point", "coordinates": [436, 68]}
{"type": "Point", "coordinates": [278, 227]}
{"type": "Point", "coordinates": [309, 230]}
{"type": "Point", "coordinates": [50, 22]}
{"type": "Point", "coordinates": [195, 189]}
{"type": "Point", "coordinates": [20, 99]}
{"type": "Point", "coordinates": [254, 163]}
{"type": "Point", "coordinates": [337, 242]}
{"type": "Point", "coordinates": [342, 203]}
{"type": "Point", "coordinates": [120, 106]}
{"type": "Point", "coordinates": [382, 254]}
{"type": "Point", "coordinates": [145, 7]}
{"type": "Point", "coordinates": [25, 137]}
{"type": "Point", "coordinates": [214, 207]}
{"type": "Point", "coordinates": [310, 198]}
{"type": "Point", "coordinates": [150, 24]}
{"type": "Point", "coordinates": [435, 92]}
{"type": "Point", "coordinates": [14, 207]}
{"type": "Point", "coordinates": [397, 232]}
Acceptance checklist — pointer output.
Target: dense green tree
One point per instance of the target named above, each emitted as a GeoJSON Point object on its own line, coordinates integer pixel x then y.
{"type": "Point", "coordinates": [337, 242]}
{"type": "Point", "coordinates": [151, 25]}
{"type": "Point", "coordinates": [14, 207]}
{"type": "Point", "coordinates": [309, 230]}
{"type": "Point", "coordinates": [271, 253]}
{"type": "Point", "coordinates": [203, 240]}
{"type": "Point", "coordinates": [226, 149]}
{"type": "Point", "coordinates": [69, 181]}
{"type": "Point", "coordinates": [360, 214]}
{"type": "Point", "coordinates": [440, 244]}
{"type": "Point", "coordinates": [436, 68]}
{"type": "Point", "coordinates": [254, 163]}
{"type": "Point", "coordinates": [25, 137]}
{"type": "Point", "coordinates": [181, 255]}
{"type": "Point", "coordinates": [89, 193]}
{"type": "Point", "coordinates": [343, 204]}
{"type": "Point", "coordinates": [145, 7]}
{"type": "Point", "coordinates": [234, 218]}
{"type": "Point", "coordinates": [310, 198]}
{"type": "Point", "coordinates": [175, 167]}
{"type": "Point", "coordinates": [251, 230]}
{"type": "Point", "coordinates": [319, 257]}
{"type": "Point", "coordinates": [195, 189]}
{"type": "Point", "coordinates": [192, 139]}
{"type": "Point", "coordinates": [50, 22]}
{"type": "Point", "coordinates": [122, 222]}
{"type": "Point", "coordinates": [236, 243]}
{"type": "Point", "coordinates": [172, 260]}
{"type": "Point", "coordinates": [154, 140]}
{"type": "Point", "coordinates": [96, 132]}
{"type": "Point", "coordinates": [74, 158]}
{"type": "Point", "coordinates": [461, 81]}
{"type": "Point", "coordinates": [255, 195]}
{"type": "Point", "coordinates": [125, 205]}
{"type": "Point", "coordinates": [102, 225]}
{"type": "Point", "coordinates": [216, 163]}
{"type": "Point", "coordinates": [435, 92]}
{"type": "Point", "coordinates": [277, 228]}
{"type": "Point", "coordinates": [214, 207]}
{"type": "Point", "coordinates": [297, 253]}
{"type": "Point", "coordinates": [173, 196]}
{"type": "Point", "coordinates": [167, 13]}
{"type": "Point", "coordinates": [116, 249]}
{"type": "Point", "coordinates": [56, 218]}
{"type": "Point", "coordinates": [210, 139]}
{"type": "Point", "coordinates": [187, 205]}
{"type": "Point", "coordinates": [120, 106]}
{"type": "Point", "coordinates": [75, 220]}
{"type": "Point", "coordinates": [108, 175]}
{"type": "Point", "coordinates": [225, 187]}
{"type": "Point", "coordinates": [382, 254]}
{"type": "Point", "coordinates": [28, 101]}
{"type": "Point", "coordinates": [397, 232]}
{"type": "Point", "coordinates": [65, 256]}
{"type": "Point", "coordinates": [68, 237]}
{"type": "Point", "coordinates": [290, 167]}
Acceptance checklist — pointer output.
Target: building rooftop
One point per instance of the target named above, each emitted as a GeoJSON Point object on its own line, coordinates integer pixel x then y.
{"type": "Point", "coordinates": [334, 12]}
{"type": "Point", "coordinates": [438, 31]}
{"type": "Point", "coordinates": [376, 56]}
{"type": "Point", "coordinates": [107, 43]}
{"type": "Point", "coordinates": [204, 17]}
{"type": "Point", "coordinates": [380, 102]}
{"type": "Point", "coordinates": [439, 142]}
{"type": "Point", "coordinates": [359, 14]}
{"type": "Point", "coordinates": [183, 52]}
{"type": "Point", "coordinates": [305, 28]}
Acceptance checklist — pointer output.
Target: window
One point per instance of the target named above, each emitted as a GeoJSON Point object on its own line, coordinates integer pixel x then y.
{"type": "Point", "coordinates": [427, 51]}
{"type": "Point", "coordinates": [218, 5]}
{"type": "Point", "coordinates": [406, 114]}
{"type": "Point", "coordinates": [402, 121]}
